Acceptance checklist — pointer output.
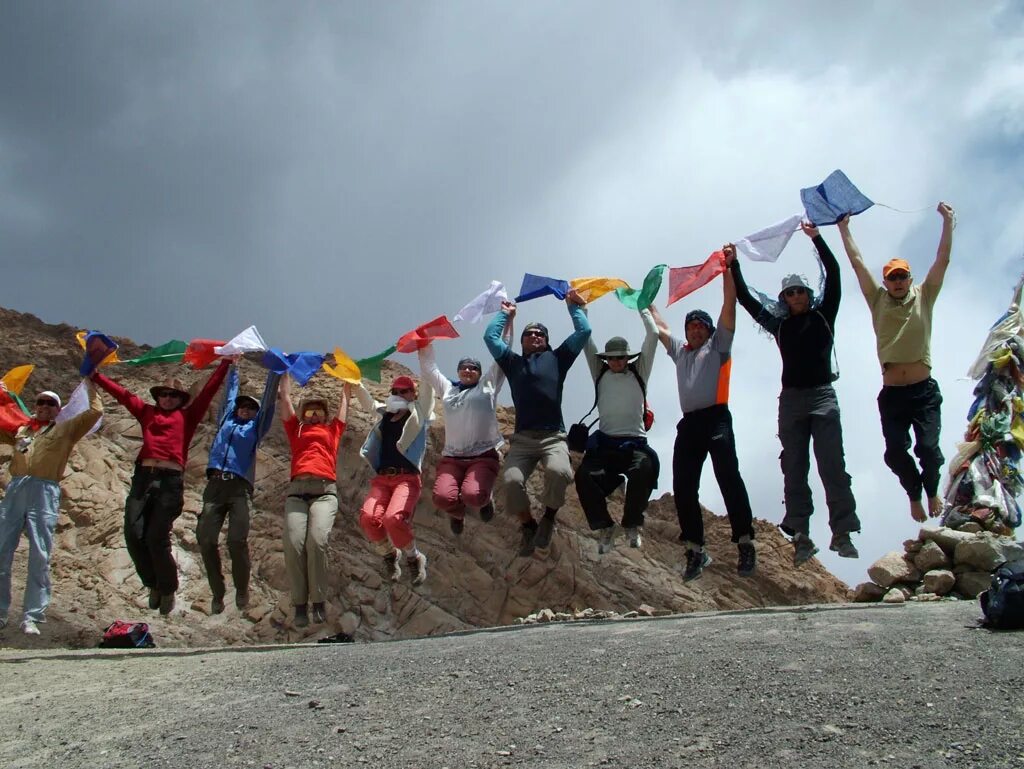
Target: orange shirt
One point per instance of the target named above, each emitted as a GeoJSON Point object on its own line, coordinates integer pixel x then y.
{"type": "Point", "coordinates": [314, 447]}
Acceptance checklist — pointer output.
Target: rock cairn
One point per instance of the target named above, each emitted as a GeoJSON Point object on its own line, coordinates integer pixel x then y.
{"type": "Point", "coordinates": [548, 615]}
{"type": "Point", "coordinates": [942, 563]}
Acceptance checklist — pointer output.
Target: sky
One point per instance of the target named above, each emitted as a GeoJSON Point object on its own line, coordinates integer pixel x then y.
{"type": "Point", "coordinates": [339, 173]}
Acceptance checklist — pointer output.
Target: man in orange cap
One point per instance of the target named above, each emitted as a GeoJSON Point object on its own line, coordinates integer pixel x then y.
{"type": "Point", "coordinates": [901, 312]}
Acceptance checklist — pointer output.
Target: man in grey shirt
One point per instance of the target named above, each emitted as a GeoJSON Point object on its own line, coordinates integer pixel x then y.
{"type": "Point", "coordinates": [703, 364]}
{"type": "Point", "coordinates": [618, 451]}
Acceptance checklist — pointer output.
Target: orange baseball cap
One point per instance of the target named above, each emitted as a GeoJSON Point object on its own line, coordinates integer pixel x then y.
{"type": "Point", "coordinates": [895, 264]}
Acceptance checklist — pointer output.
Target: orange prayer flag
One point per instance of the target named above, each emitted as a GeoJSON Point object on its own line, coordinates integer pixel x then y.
{"type": "Point", "coordinates": [344, 367]}
{"type": "Point", "coordinates": [686, 280]}
{"type": "Point", "coordinates": [592, 289]}
{"type": "Point", "coordinates": [17, 378]}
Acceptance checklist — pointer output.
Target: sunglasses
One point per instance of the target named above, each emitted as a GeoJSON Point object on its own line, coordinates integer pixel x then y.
{"type": "Point", "coordinates": [534, 332]}
{"type": "Point", "coordinates": [168, 394]}
{"type": "Point", "coordinates": [313, 411]}
{"type": "Point", "coordinates": [246, 406]}
{"type": "Point", "coordinates": [403, 391]}
{"type": "Point", "coordinates": [898, 276]}
{"type": "Point", "coordinates": [468, 367]}
{"type": "Point", "coordinates": [795, 291]}
{"type": "Point", "coordinates": [46, 402]}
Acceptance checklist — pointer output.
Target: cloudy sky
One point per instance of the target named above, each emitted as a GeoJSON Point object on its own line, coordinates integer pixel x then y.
{"type": "Point", "coordinates": [339, 173]}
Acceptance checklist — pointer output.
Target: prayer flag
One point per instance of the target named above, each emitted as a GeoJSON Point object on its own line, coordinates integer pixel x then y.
{"type": "Point", "coordinates": [300, 365]}
{"type": "Point", "coordinates": [686, 280]}
{"type": "Point", "coordinates": [200, 352]}
{"type": "Point", "coordinates": [537, 285]}
{"type": "Point", "coordinates": [11, 415]}
{"type": "Point", "coordinates": [484, 304]}
{"type": "Point", "coordinates": [371, 367]}
{"type": "Point", "coordinates": [99, 348]}
{"type": "Point", "coordinates": [246, 341]}
{"type": "Point", "coordinates": [17, 378]}
{"type": "Point", "coordinates": [168, 352]}
{"type": "Point", "coordinates": [641, 299]}
{"type": "Point", "coordinates": [78, 403]}
{"type": "Point", "coordinates": [592, 289]}
{"type": "Point", "coordinates": [344, 367]}
{"type": "Point", "coordinates": [831, 200]}
{"type": "Point", "coordinates": [766, 245]}
{"type": "Point", "coordinates": [418, 338]}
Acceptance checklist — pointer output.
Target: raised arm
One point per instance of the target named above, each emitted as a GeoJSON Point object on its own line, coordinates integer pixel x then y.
{"type": "Point", "coordinates": [425, 403]}
{"type": "Point", "coordinates": [590, 351]}
{"type": "Point", "coordinates": [268, 405]}
{"type": "Point", "coordinates": [284, 399]}
{"type": "Point", "coordinates": [938, 270]}
{"type": "Point", "coordinates": [365, 399]}
{"type": "Point", "coordinates": [573, 344]}
{"type": "Point", "coordinates": [645, 362]}
{"type": "Point", "coordinates": [79, 425]}
{"type": "Point", "coordinates": [829, 306]}
{"type": "Point", "coordinates": [868, 286]}
{"type": "Point", "coordinates": [230, 393]}
{"type": "Point", "coordinates": [130, 401]}
{"type": "Point", "coordinates": [757, 311]}
{"type": "Point", "coordinates": [346, 394]}
{"type": "Point", "coordinates": [431, 373]}
{"type": "Point", "coordinates": [494, 336]}
{"type": "Point", "coordinates": [664, 332]}
{"type": "Point", "coordinates": [202, 401]}
{"type": "Point", "coordinates": [727, 318]}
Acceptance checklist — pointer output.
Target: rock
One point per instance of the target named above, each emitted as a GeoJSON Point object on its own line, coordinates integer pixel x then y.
{"type": "Point", "coordinates": [545, 615]}
{"type": "Point", "coordinates": [911, 546]}
{"type": "Point", "coordinates": [894, 596]}
{"type": "Point", "coordinates": [925, 597]}
{"type": "Point", "coordinates": [868, 592]}
{"type": "Point", "coordinates": [646, 611]}
{"type": "Point", "coordinates": [984, 552]}
{"type": "Point", "coordinates": [970, 583]}
{"type": "Point", "coordinates": [944, 537]}
{"type": "Point", "coordinates": [931, 556]}
{"type": "Point", "coordinates": [939, 581]}
{"type": "Point", "coordinates": [971, 527]}
{"type": "Point", "coordinates": [349, 622]}
{"type": "Point", "coordinates": [891, 568]}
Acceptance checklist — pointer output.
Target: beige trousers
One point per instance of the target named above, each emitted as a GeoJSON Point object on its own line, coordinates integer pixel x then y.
{"type": "Point", "coordinates": [309, 511]}
{"type": "Point", "coordinates": [526, 449]}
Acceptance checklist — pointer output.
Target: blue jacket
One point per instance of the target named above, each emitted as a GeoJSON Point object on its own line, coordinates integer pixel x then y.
{"type": "Point", "coordinates": [536, 381]}
{"type": "Point", "coordinates": [234, 446]}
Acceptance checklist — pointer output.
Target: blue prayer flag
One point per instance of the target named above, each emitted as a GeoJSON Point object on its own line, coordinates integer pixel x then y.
{"type": "Point", "coordinates": [300, 365]}
{"type": "Point", "coordinates": [833, 199]}
{"type": "Point", "coordinates": [535, 286]}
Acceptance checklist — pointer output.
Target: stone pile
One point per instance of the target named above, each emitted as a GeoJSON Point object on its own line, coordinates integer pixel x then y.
{"type": "Point", "coordinates": [942, 563]}
{"type": "Point", "coordinates": [549, 615]}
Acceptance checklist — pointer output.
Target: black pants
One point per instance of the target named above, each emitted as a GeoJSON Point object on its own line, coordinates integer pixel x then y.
{"type": "Point", "coordinates": [699, 433]}
{"type": "Point", "coordinates": [917, 406]}
{"type": "Point", "coordinates": [155, 500]}
{"type": "Point", "coordinates": [603, 470]}
{"type": "Point", "coordinates": [231, 499]}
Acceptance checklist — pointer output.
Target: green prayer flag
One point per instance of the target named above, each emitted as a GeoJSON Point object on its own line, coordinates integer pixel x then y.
{"type": "Point", "coordinates": [168, 352]}
{"type": "Point", "coordinates": [23, 407]}
{"type": "Point", "coordinates": [370, 367]}
{"type": "Point", "coordinates": [640, 299]}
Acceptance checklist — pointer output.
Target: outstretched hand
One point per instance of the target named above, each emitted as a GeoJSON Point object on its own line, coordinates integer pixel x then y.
{"type": "Point", "coordinates": [843, 224]}
{"type": "Point", "coordinates": [729, 251]}
{"type": "Point", "coordinates": [509, 308]}
{"type": "Point", "coordinates": [573, 297]}
{"type": "Point", "coordinates": [810, 230]}
{"type": "Point", "coordinates": [946, 211]}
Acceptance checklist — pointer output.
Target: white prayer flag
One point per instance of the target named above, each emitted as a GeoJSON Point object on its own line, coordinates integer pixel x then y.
{"type": "Point", "coordinates": [488, 302]}
{"type": "Point", "coordinates": [247, 341]}
{"type": "Point", "coordinates": [78, 403]}
{"type": "Point", "coordinates": [766, 245]}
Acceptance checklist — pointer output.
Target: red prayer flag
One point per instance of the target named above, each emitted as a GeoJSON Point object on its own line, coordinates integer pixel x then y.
{"type": "Point", "coordinates": [686, 280]}
{"type": "Point", "coordinates": [11, 415]}
{"type": "Point", "coordinates": [418, 338]}
{"type": "Point", "coordinates": [200, 352]}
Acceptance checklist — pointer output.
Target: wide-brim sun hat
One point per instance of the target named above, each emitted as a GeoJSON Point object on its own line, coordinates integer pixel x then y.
{"type": "Point", "coordinates": [175, 386]}
{"type": "Point", "coordinates": [617, 347]}
{"type": "Point", "coordinates": [794, 281]}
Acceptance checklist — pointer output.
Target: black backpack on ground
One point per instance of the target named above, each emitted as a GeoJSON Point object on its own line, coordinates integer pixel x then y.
{"type": "Point", "coordinates": [1003, 603]}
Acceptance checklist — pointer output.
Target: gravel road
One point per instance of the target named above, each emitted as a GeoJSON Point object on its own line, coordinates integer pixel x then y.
{"type": "Point", "coordinates": [858, 685]}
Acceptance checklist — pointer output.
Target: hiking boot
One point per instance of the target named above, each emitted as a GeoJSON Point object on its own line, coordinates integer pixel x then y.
{"type": "Point", "coordinates": [28, 627]}
{"type": "Point", "coordinates": [301, 617]}
{"type": "Point", "coordinates": [748, 559]}
{"type": "Point", "coordinates": [545, 529]}
{"type": "Point", "coordinates": [487, 512]}
{"type": "Point", "coordinates": [241, 599]}
{"type": "Point", "coordinates": [457, 525]}
{"type": "Point", "coordinates": [842, 545]}
{"type": "Point", "coordinates": [154, 598]}
{"type": "Point", "coordinates": [217, 604]}
{"type": "Point", "coordinates": [319, 613]}
{"type": "Point", "coordinates": [803, 549]}
{"type": "Point", "coordinates": [696, 560]}
{"type": "Point", "coordinates": [606, 539]}
{"type": "Point", "coordinates": [417, 567]}
{"type": "Point", "coordinates": [392, 568]}
{"type": "Point", "coordinates": [166, 603]}
{"type": "Point", "coordinates": [635, 534]}
{"type": "Point", "coordinates": [526, 543]}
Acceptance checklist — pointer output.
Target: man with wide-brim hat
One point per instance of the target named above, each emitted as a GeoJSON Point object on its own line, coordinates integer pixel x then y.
{"type": "Point", "coordinates": [231, 473]}
{"type": "Point", "coordinates": [619, 451]}
{"type": "Point", "coordinates": [157, 492]}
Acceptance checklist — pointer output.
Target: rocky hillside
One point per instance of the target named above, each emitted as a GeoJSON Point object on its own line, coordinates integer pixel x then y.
{"type": "Point", "coordinates": [474, 580]}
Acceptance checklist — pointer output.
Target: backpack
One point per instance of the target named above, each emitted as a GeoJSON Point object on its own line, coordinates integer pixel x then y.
{"type": "Point", "coordinates": [127, 635]}
{"type": "Point", "coordinates": [1003, 603]}
{"type": "Point", "coordinates": [579, 433]}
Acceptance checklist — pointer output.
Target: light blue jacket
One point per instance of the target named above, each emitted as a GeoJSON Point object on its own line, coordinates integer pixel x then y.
{"type": "Point", "coordinates": [234, 446]}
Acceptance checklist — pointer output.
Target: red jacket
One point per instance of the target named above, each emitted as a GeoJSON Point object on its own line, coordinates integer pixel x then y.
{"type": "Point", "coordinates": [166, 434]}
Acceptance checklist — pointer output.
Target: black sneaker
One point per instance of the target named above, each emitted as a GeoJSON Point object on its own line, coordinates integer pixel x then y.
{"type": "Point", "coordinates": [166, 603]}
{"type": "Point", "coordinates": [487, 512]}
{"type": "Point", "coordinates": [696, 560]}
{"type": "Point", "coordinates": [803, 549]}
{"type": "Point", "coordinates": [319, 613]}
{"type": "Point", "coordinates": [154, 598]}
{"type": "Point", "coordinates": [217, 605]}
{"type": "Point", "coordinates": [747, 563]}
{"type": "Point", "coordinates": [457, 525]}
{"type": "Point", "coordinates": [241, 598]}
{"type": "Point", "coordinates": [301, 617]}
{"type": "Point", "coordinates": [529, 533]}
{"type": "Point", "coordinates": [842, 545]}
{"type": "Point", "coordinates": [392, 568]}
{"type": "Point", "coordinates": [545, 529]}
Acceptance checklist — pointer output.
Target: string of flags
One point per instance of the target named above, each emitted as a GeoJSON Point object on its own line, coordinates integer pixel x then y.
{"type": "Point", "coordinates": [824, 204]}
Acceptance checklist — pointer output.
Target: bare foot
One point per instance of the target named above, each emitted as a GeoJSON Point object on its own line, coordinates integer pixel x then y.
{"type": "Point", "coordinates": [935, 506]}
{"type": "Point", "coordinates": [917, 511]}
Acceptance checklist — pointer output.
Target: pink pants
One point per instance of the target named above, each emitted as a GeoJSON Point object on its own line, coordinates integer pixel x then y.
{"type": "Point", "coordinates": [388, 509]}
{"type": "Point", "coordinates": [465, 482]}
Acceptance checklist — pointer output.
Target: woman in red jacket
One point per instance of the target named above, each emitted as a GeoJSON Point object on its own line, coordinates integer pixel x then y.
{"type": "Point", "coordinates": [157, 492]}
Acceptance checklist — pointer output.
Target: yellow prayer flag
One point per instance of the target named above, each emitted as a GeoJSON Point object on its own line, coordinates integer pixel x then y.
{"type": "Point", "coordinates": [592, 289]}
{"type": "Point", "coordinates": [17, 378]}
{"type": "Point", "coordinates": [344, 367]}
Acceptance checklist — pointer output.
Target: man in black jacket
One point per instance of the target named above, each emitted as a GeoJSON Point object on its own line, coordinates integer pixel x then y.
{"type": "Point", "coordinates": [804, 332]}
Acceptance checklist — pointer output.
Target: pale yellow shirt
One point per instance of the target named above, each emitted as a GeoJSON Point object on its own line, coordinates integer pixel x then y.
{"type": "Point", "coordinates": [903, 327]}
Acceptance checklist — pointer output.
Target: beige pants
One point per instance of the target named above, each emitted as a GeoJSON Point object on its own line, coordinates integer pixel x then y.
{"type": "Point", "coordinates": [309, 511]}
{"type": "Point", "coordinates": [526, 450]}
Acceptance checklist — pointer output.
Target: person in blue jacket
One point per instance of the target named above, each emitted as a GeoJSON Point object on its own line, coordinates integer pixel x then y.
{"type": "Point", "coordinates": [231, 471]}
{"type": "Point", "coordinates": [535, 379]}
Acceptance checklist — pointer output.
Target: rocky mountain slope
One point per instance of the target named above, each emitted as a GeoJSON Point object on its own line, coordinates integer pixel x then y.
{"type": "Point", "coordinates": [474, 580]}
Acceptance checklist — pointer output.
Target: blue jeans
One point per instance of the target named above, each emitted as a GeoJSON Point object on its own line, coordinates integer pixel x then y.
{"type": "Point", "coordinates": [31, 505]}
